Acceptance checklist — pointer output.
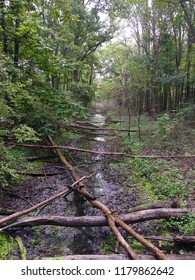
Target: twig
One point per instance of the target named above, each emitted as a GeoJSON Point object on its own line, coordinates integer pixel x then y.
{"type": "Point", "coordinates": [21, 197]}
{"type": "Point", "coordinates": [66, 192]}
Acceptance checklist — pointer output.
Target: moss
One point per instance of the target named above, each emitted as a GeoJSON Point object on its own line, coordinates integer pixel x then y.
{"type": "Point", "coordinates": [6, 245]}
{"type": "Point", "coordinates": [137, 246]}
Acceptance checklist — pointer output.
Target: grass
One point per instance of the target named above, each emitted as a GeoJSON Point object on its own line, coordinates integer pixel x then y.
{"type": "Point", "coordinates": [161, 179]}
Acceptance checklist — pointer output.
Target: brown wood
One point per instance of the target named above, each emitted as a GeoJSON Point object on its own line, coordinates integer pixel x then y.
{"type": "Point", "coordinates": [97, 221]}
{"type": "Point", "coordinates": [112, 220]}
{"type": "Point", "coordinates": [101, 128]}
{"type": "Point", "coordinates": [65, 192]}
{"type": "Point", "coordinates": [103, 153]}
{"type": "Point", "coordinates": [97, 204]}
{"type": "Point", "coordinates": [175, 239]}
{"type": "Point", "coordinates": [126, 257]}
{"type": "Point", "coordinates": [39, 174]}
{"type": "Point", "coordinates": [160, 204]}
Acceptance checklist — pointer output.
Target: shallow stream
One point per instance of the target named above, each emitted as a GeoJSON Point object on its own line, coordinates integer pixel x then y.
{"type": "Point", "coordinates": [52, 241]}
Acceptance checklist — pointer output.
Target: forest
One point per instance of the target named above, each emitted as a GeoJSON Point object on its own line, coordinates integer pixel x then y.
{"type": "Point", "coordinates": [97, 121]}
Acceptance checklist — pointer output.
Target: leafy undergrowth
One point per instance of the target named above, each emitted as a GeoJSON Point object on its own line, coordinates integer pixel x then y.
{"type": "Point", "coordinates": [161, 179]}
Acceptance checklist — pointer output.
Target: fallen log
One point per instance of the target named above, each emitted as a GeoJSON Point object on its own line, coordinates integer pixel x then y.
{"type": "Point", "coordinates": [112, 220]}
{"type": "Point", "coordinates": [40, 158]}
{"type": "Point", "coordinates": [101, 128]}
{"type": "Point", "coordinates": [65, 192]}
{"type": "Point", "coordinates": [97, 204]}
{"type": "Point", "coordinates": [107, 120]}
{"type": "Point", "coordinates": [71, 148]}
{"type": "Point", "coordinates": [126, 257]}
{"type": "Point", "coordinates": [39, 174]}
{"type": "Point", "coordinates": [98, 221]}
{"type": "Point", "coordinates": [174, 203]}
{"type": "Point", "coordinates": [174, 239]}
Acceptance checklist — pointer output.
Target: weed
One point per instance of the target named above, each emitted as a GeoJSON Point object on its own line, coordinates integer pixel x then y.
{"type": "Point", "coordinates": [6, 245]}
{"type": "Point", "coordinates": [184, 225]}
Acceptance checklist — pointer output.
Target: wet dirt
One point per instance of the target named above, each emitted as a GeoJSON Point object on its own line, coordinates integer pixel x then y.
{"type": "Point", "coordinates": [52, 241]}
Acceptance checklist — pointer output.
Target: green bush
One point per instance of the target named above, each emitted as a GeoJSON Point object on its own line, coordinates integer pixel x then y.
{"type": "Point", "coordinates": [25, 133]}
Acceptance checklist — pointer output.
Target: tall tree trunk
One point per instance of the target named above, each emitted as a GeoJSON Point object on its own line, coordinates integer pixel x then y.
{"type": "Point", "coordinates": [188, 65]}
{"type": "Point", "coordinates": [3, 25]}
{"type": "Point", "coordinates": [16, 37]}
{"type": "Point", "coordinates": [154, 59]}
{"type": "Point", "coordinates": [188, 17]}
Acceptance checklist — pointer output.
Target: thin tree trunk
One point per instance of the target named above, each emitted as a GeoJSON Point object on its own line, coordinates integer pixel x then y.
{"type": "Point", "coordinates": [3, 25]}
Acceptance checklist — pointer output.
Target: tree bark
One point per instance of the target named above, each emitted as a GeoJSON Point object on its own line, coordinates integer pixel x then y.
{"type": "Point", "coordinates": [98, 221]}
{"type": "Point", "coordinates": [175, 239]}
{"type": "Point", "coordinates": [101, 128]}
{"type": "Point", "coordinates": [65, 192]}
{"type": "Point", "coordinates": [102, 153]}
{"type": "Point", "coordinates": [111, 219]}
{"type": "Point", "coordinates": [125, 257]}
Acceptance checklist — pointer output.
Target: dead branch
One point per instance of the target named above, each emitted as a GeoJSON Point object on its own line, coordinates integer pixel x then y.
{"type": "Point", "coordinates": [102, 153]}
{"type": "Point", "coordinates": [97, 204]}
{"type": "Point", "coordinates": [40, 158]}
{"type": "Point", "coordinates": [160, 254]}
{"type": "Point", "coordinates": [174, 239]}
{"type": "Point", "coordinates": [65, 192]}
{"type": "Point", "coordinates": [39, 174]}
{"type": "Point", "coordinates": [174, 203]}
{"type": "Point", "coordinates": [107, 120]}
{"type": "Point", "coordinates": [98, 221]}
{"type": "Point", "coordinates": [100, 128]}
{"type": "Point", "coordinates": [112, 220]}
{"type": "Point", "coordinates": [125, 257]}
{"type": "Point", "coordinates": [19, 196]}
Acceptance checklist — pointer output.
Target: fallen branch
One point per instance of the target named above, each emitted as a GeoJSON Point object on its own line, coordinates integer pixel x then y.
{"type": "Point", "coordinates": [174, 239]}
{"type": "Point", "coordinates": [97, 204]}
{"type": "Point", "coordinates": [102, 153]}
{"type": "Point", "coordinates": [111, 219]}
{"type": "Point", "coordinates": [100, 128]}
{"type": "Point", "coordinates": [160, 204]}
{"type": "Point", "coordinates": [39, 174]}
{"type": "Point", "coordinates": [125, 257]}
{"type": "Point", "coordinates": [98, 221]}
{"type": "Point", "coordinates": [65, 192]}
{"type": "Point", "coordinates": [40, 158]}
{"type": "Point", "coordinates": [19, 196]}
{"type": "Point", "coordinates": [107, 120]}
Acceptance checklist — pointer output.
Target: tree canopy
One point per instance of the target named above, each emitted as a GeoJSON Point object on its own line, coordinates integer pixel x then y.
{"type": "Point", "coordinates": [50, 54]}
{"type": "Point", "coordinates": [47, 57]}
{"type": "Point", "coordinates": [152, 67]}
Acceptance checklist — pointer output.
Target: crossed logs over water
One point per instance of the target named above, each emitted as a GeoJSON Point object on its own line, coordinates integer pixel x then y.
{"type": "Point", "coordinates": [109, 218]}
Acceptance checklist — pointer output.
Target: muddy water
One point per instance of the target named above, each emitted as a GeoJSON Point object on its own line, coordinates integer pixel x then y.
{"type": "Point", "coordinates": [50, 241]}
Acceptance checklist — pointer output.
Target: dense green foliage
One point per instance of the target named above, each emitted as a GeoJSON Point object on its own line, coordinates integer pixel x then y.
{"type": "Point", "coordinates": [47, 61]}
{"type": "Point", "coordinates": [52, 68]}
{"type": "Point", "coordinates": [151, 67]}
{"type": "Point", "coordinates": [47, 64]}
{"type": "Point", "coordinates": [160, 179]}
